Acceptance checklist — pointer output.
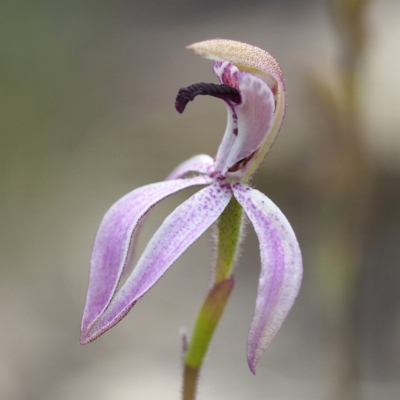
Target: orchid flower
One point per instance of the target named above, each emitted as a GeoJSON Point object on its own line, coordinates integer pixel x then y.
{"type": "Point", "coordinates": [252, 87]}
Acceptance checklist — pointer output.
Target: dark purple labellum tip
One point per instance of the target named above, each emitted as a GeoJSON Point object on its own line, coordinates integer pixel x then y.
{"type": "Point", "coordinates": [241, 163]}
{"type": "Point", "coordinates": [224, 92]}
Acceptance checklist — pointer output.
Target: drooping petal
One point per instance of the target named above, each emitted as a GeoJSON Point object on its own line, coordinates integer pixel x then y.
{"type": "Point", "coordinates": [281, 269]}
{"type": "Point", "coordinates": [202, 164]}
{"type": "Point", "coordinates": [249, 122]}
{"type": "Point", "coordinates": [114, 242]}
{"type": "Point", "coordinates": [179, 230]}
{"type": "Point", "coordinates": [259, 62]}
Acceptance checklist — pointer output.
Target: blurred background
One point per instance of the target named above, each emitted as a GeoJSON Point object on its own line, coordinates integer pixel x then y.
{"type": "Point", "coordinates": [87, 114]}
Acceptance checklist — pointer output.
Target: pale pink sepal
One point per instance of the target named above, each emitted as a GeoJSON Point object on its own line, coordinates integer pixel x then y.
{"type": "Point", "coordinates": [281, 269]}
{"type": "Point", "coordinates": [249, 122]}
{"type": "Point", "coordinates": [114, 242]}
{"type": "Point", "coordinates": [179, 230]}
{"type": "Point", "coordinates": [246, 57]}
{"type": "Point", "coordinates": [202, 164]}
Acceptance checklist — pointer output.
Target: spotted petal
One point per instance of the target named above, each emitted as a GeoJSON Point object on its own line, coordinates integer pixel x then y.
{"type": "Point", "coordinates": [201, 164]}
{"type": "Point", "coordinates": [281, 269]}
{"type": "Point", "coordinates": [113, 244]}
{"type": "Point", "coordinates": [179, 230]}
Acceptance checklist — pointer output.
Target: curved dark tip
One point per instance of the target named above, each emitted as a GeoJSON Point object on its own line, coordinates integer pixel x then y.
{"type": "Point", "coordinates": [224, 92]}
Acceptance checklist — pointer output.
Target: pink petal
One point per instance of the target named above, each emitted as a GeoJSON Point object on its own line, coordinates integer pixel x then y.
{"type": "Point", "coordinates": [251, 58]}
{"type": "Point", "coordinates": [179, 230]}
{"type": "Point", "coordinates": [114, 242]}
{"type": "Point", "coordinates": [281, 269]}
{"type": "Point", "coordinates": [249, 122]}
{"type": "Point", "coordinates": [202, 164]}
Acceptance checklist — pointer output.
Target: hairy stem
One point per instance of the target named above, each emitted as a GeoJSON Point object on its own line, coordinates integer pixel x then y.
{"type": "Point", "coordinates": [190, 375]}
{"type": "Point", "coordinates": [229, 228]}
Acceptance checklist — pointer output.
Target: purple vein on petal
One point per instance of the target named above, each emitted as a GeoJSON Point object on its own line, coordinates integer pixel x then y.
{"type": "Point", "coordinates": [179, 230]}
{"type": "Point", "coordinates": [281, 269]}
{"type": "Point", "coordinates": [114, 242]}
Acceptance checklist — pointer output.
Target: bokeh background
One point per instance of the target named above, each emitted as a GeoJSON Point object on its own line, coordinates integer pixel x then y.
{"type": "Point", "coordinates": [87, 114]}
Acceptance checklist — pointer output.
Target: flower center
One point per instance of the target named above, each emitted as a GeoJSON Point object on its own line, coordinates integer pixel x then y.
{"type": "Point", "coordinates": [224, 92]}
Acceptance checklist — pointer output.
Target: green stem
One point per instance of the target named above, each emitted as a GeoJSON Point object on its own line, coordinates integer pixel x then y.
{"type": "Point", "coordinates": [207, 320]}
{"type": "Point", "coordinates": [229, 228]}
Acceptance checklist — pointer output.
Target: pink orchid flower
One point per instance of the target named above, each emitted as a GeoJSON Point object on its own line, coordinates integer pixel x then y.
{"type": "Point", "coordinates": [252, 87]}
